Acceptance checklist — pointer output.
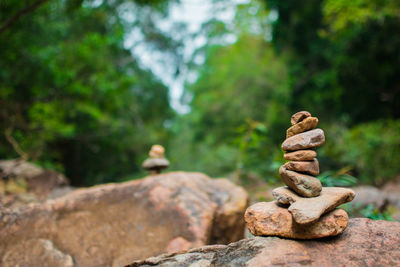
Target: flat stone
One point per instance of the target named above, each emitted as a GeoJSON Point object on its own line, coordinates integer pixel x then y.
{"type": "Point", "coordinates": [151, 163]}
{"type": "Point", "coordinates": [307, 210]}
{"type": "Point", "coordinates": [299, 116]}
{"type": "Point", "coordinates": [305, 125]}
{"type": "Point", "coordinates": [300, 155]}
{"type": "Point", "coordinates": [310, 167]}
{"type": "Point", "coordinates": [304, 185]}
{"type": "Point", "coordinates": [271, 219]}
{"type": "Point", "coordinates": [309, 139]}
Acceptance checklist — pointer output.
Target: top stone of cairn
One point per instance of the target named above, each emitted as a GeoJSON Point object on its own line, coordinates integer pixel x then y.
{"type": "Point", "coordinates": [299, 116]}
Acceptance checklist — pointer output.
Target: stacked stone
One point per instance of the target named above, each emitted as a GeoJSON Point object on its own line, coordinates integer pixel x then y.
{"type": "Point", "coordinates": [303, 209]}
{"type": "Point", "coordinates": [157, 161]}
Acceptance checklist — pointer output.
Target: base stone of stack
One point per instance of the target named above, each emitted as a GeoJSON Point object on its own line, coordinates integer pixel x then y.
{"type": "Point", "coordinates": [307, 210]}
{"type": "Point", "coordinates": [304, 185]}
{"type": "Point", "coordinates": [271, 219]}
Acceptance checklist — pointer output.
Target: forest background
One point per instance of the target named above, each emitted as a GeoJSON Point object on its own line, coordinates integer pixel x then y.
{"type": "Point", "coordinates": [73, 96]}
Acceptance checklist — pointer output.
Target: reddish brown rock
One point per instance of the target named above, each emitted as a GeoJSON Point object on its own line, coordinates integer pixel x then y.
{"type": "Point", "coordinates": [178, 244]}
{"type": "Point", "coordinates": [305, 125]}
{"type": "Point", "coordinates": [309, 139]}
{"type": "Point", "coordinates": [310, 167]}
{"type": "Point", "coordinates": [114, 224]}
{"type": "Point", "coordinates": [304, 185]}
{"type": "Point", "coordinates": [299, 116]}
{"type": "Point", "coordinates": [36, 252]}
{"type": "Point", "coordinates": [364, 243]}
{"type": "Point", "coordinates": [270, 219]}
{"type": "Point", "coordinates": [306, 210]}
{"type": "Point", "coordinates": [300, 155]}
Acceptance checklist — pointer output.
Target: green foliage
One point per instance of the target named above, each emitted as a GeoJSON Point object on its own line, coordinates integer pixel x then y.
{"type": "Point", "coordinates": [372, 149]}
{"type": "Point", "coordinates": [234, 108]}
{"type": "Point", "coordinates": [73, 97]}
{"type": "Point", "coordinates": [340, 178]}
{"type": "Point", "coordinates": [369, 211]}
{"type": "Point", "coordinates": [336, 59]}
{"type": "Point", "coordinates": [342, 53]}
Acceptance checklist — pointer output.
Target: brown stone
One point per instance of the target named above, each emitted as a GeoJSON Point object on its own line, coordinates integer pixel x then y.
{"type": "Point", "coordinates": [270, 219]}
{"type": "Point", "coordinates": [309, 139]}
{"type": "Point", "coordinates": [157, 151]}
{"type": "Point", "coordinates": [36, 252]}
{"type": "Point", "coordinates": [310, 167]}
{"type": "Point", "coordinates": [178, 244]}
{"type": "Point", "coordinates": [114, 224]}
{"type": "Point", "coordinates": [305, 125]}
{"type": "Point", "coordinates": [304, 185]}
{"type": "Point", "coordinates": [299, 116]}
{"type": "Point", "coordinates": [363, 243]}
{"type": "Point", "coordinates": [306, 210]}
{"type": "Point", "coordinates": [26, 177]}
{"type": "Point", "coordinates": [300, 155]}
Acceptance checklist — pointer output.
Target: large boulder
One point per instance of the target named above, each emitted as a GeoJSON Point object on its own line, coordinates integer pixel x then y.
{"type": "Point", "coordinates": [364, 243]}
{"type": "Point", "coordinates": [115, 224]}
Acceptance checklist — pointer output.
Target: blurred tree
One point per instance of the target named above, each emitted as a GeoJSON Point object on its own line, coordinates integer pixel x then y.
{"type": "Point", "coordinates": [72, 96]}
{"type": "Point", "coordinates": [239, 98]}
{"type": "Point", "coordinates": [344, 56]}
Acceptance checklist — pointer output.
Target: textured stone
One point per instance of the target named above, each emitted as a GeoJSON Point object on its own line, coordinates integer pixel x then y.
{"type": "Point", "coordinates": [364, 243]}
{"type": "Point", "coordinates": [304, 185]}
{"type": "Point", "coordinates": [114, 224]}
{"type": "Point", "coordinates": [309, 139]}
{"type": "Point", "coordinates": [26, 177]}
{"type": "Point", "coordinates": [271, 219]}
{"type": "Point", "coordinates": [300, 155]}
{"type": "Point", "coordinates": [305, 125]}
{"type": "Point", "coordinates": [310, 167]}
{"type": "Point", "coordinates": [35, 252]}
{"type": "Point", "coordinates": [299, 116]}
{"type": "Point", "coordinates": [306, 210]}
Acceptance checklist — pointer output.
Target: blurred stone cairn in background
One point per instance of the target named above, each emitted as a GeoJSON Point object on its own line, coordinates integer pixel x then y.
{"type": "Point", "coordinates": [157, 161]}
{"type": "Point", "coordinates": [304, 209]}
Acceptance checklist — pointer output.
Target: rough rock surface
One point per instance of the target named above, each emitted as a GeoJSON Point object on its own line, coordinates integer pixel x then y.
{"type": "Point", "coordinates": [38, 181]}
{"type": "Point", "coordinates": [36, 252]}
{"type": "Point", "coordinates": [114, 224]}
{"type": "Point", "coordinates": [300, 155]}
{"type": "Point", "coordinates": [310, 167]}
{"type": "Point", "coordinates": [364, 243]}
{"type": "Point", "coordinates": [306, 210]}
{"type": "Point", "coordinates": [299, 116]}
{"type": "Point", "coordinates": [305, 125]}
{"type": "Point", "coordinates": [271, 219]}
{"type": "Point", "coordinates": [309, 139]}
{"type": "Point", "coordinates": [304, 185]}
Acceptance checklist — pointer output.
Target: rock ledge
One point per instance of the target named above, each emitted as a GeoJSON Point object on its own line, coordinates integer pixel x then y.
{"type": "Point", "coordinates": [364, 243]}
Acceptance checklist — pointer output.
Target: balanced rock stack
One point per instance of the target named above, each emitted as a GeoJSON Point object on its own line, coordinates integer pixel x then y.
{"type": "Point", "coordinates": [304, 209]}
{"type": "Point", "coordinates": [157, 161]}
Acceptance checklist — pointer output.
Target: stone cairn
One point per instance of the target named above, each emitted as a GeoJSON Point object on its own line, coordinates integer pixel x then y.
{"type": "Point", "coordinates": [303, 209]}
{"type": "Point", "coordinates": [157, 161]}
